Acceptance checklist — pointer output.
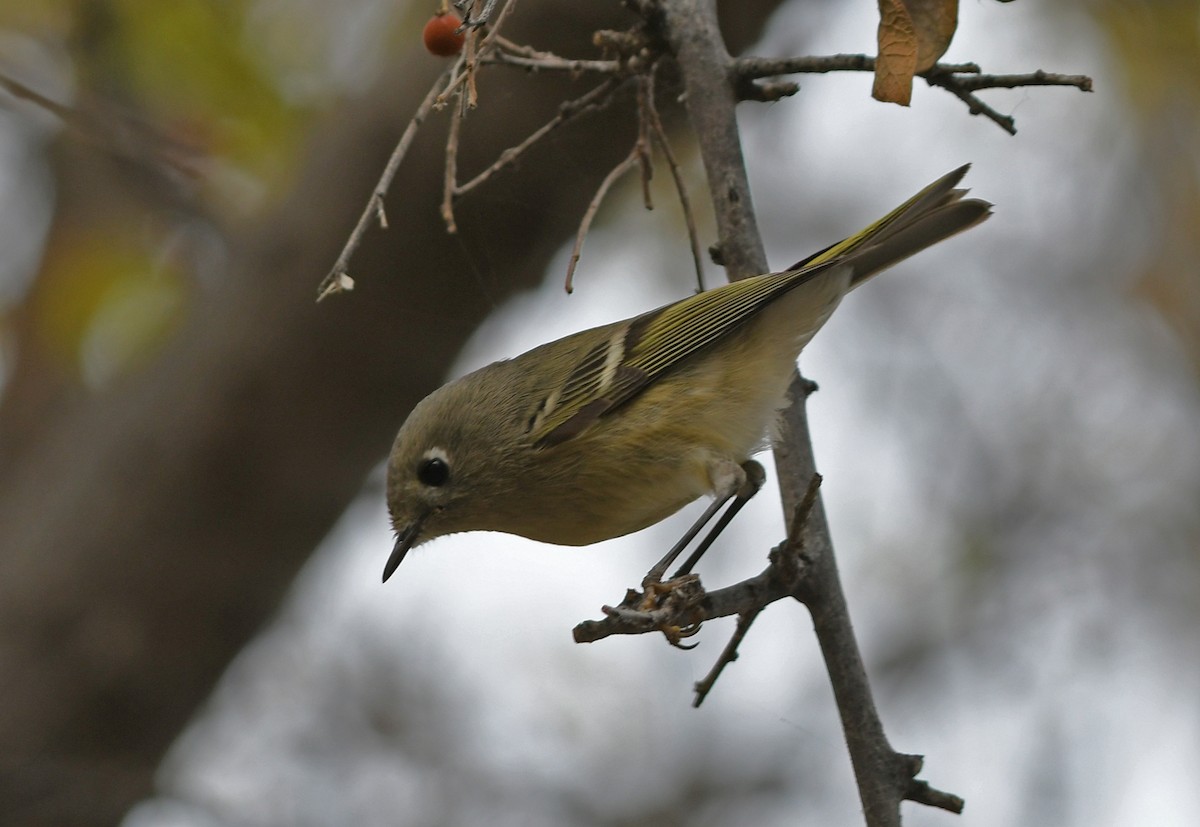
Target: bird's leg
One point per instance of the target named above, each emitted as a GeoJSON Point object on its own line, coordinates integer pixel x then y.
{"type": "Point", "coordinates": [745, 481]}
{"type": "Point", "coordinates": [751, 484]}
{"type": "Point", "coordinates": [660, 568]}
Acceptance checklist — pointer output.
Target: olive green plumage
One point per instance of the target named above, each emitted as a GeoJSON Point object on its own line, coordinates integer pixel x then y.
{"type": "Point", "coordinates": [612, 429]}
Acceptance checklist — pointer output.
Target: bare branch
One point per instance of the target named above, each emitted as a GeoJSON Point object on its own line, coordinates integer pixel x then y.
{"type": "Point", "coordinates": [749, 68]}
{"type": "Point", "coordinates": [960, 79]}
{"type": "Point", "coordinates": [480, 48]}
{"type": "Point", "coordinates": [922, 793]}
{"type": "Point", "coordinates": [728, 655]}
{"type": "Point", "coordinates": [591, 101]}
{"type": "Point", "coordinates": [458, 77]}
{"type": "Point", "coordinates": [645, 92]}
{"type": "Point", "coordinates": [963, 87]}
{"type": "Point", "coordinates": [114, 131]}
{"type": "Point", "coordinates": [451, 173]}
{"type": "Point", "coordinates": [693, 35]}
{"type": "Point", "coordinates": [786, 560]}
{"type": "Point", "coordinates": [19, 90]}
{"type": "Point", "coordinates": [627, 619]}
{"type": "Point", "coordinates": [338, 279]}
{"type": "Point", "coordinates": [660, 139]}
{"type": "Point", "coordinates": [975, 106]}
{"type": "Point", "coordinates": [1038, 78]}
{"type": "Point", "coordinates": [513, 54]}
{"type": "Point", "coordinates": [620, 169]}
{"type": "Point", "coordinates": [470, 61]}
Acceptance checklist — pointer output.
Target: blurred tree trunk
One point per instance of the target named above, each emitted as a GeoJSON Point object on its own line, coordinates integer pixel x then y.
{"type": "Point", "coordinates": [149, 530]}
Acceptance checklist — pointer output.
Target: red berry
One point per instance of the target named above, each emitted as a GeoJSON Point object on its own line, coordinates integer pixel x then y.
{"type": "Point", "coordinates": [440, 36]}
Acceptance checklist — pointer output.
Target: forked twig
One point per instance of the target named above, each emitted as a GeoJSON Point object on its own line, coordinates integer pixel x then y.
{"type": "Point", "coordinates": [456, 77]}
{"type": "Point", "coordinates": [785, 561]}
{"type": "Point", "coordinates": [482, 46]}
{"type": "Point", "coordinates": [590, 101]}
{"type": "Point", "coordinates": [964, 87]}
{"type": "Point", "coordinates": [650, 132]}
{"type": "Point", "coordinates": [960, 79]}
{"type": "Point", "coordinates": [975, 106]}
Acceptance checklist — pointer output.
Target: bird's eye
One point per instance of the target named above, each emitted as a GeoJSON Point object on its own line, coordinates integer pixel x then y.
{"type": "Point", "coordinates": [433, 471]}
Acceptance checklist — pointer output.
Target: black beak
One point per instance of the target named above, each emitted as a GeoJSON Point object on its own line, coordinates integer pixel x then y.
{"type": "Point", "coordinates": [404, 542]}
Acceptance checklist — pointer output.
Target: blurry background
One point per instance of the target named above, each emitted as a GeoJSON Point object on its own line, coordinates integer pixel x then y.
{"type": "Point", "coordinates": [192, 523]}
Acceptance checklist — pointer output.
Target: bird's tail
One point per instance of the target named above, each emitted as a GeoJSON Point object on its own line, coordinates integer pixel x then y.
{"type": "Point", "coordinates": [933, 214]}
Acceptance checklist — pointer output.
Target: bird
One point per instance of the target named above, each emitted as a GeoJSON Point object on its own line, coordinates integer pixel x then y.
{"type": "Point", "coordinates": [612, 429]}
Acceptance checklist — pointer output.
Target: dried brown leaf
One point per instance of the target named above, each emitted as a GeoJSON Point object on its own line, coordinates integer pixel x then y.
{"type": "Point", "coordinates": [913, 34]}
{"type": "Point", "coordinates": [935, 22]}
{"type": "Point", "coordinates": [897, 61]}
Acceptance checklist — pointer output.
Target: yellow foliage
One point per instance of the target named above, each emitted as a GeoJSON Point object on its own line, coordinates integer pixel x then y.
{"type": "Point", "coordinates": [1158, 49]}
{"type": "Point", "coordinates": [188, 64]}
{"type": "Point", "coordinates": [104, 303]}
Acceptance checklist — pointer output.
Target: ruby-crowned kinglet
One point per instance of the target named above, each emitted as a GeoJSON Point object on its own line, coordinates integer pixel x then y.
{"type": "Point", "coordinates": [610, 430]}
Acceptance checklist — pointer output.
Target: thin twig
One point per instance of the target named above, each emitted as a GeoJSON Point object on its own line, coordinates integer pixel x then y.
{"type": "Point", "coordinates": [115, 131]}
{"type": "Point", "coordinates": [788, 557]}
{"type": "Point", "coordinates": [974, 105]}
{"type": "Point", "coordinates": [458, 77]}
{"type": "Point", "coordinates": [1039, 78]}
{"type": "Point", "coordinates": [470, 60]}
{"type": "Point", "coordinates": [482, 47]}
{"type": "Point", "coordinates": [20, 90]}
{"type": "Point", "coordinates": [960, 79]}
{"type": "Point", "coordinates": [963, 87]}
{"type": "Point", "coordinates": [338, 280]}
{"type": "Point", "coordinates": [804, 509]}
{"type": "Point", "coordinates": [749, 68]}
{"type": "Point", "coordinates": [620, 169]}
{"type": "Point", "coordinates": [514, 54]}
{"type": "Point", "coordinates": [553, 64]}
{"type": "Point", "coordinates": [660, 139]}
{"type": "Point", "coordinates": [451, 172]}
{"type": "Point", "coordinates": [922, 793]}
{"type": "Point", "coordinates": [728, 655]}
{"type": "Point", "coordinates": [786, 562]}
{"type": "Point", "coordinates": [645, 90]}
{"type": "Point", "coordinates": [592, 100]}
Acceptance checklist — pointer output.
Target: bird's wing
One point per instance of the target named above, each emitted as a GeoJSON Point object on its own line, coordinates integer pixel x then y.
{"type": "Point", "coordinates": [639, 352]}
{"type": "Point", "coordinates": [647, 347]}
